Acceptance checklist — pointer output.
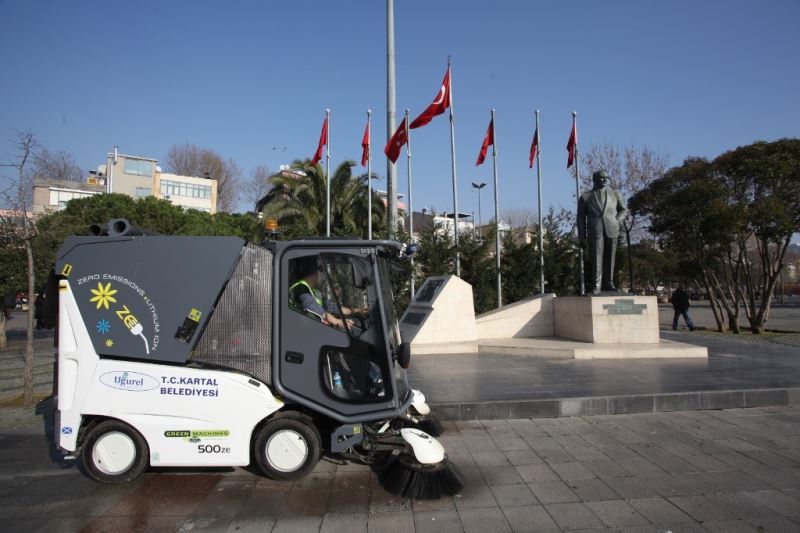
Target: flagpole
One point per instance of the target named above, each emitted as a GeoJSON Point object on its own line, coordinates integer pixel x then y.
{"type": "Point", "coordinates": [578, 195]}
{"type": "Point", "coordinates": [369, 175]}
{"type": "Point", "coordinates": [496, 215]}
{"type": "Point", "coordinates": [539, 183]}
{"type": "Point", "coordinates": [453, 167]}
{"type": "Point", "coordinates": [391, 180]}
{"type": "Point", "coordinates": [328, 173]}
{"type": "Point", "coordinates": [410, 200]}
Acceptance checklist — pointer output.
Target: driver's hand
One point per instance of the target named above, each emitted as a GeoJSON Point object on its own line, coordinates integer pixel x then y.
{"type": "Point", "coordinates": [349, 322]}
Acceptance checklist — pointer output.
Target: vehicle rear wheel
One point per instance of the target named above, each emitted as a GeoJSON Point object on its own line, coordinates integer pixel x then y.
{"type": "Point", "coordinates": [288, 448]}
{"type": "Point", "coordinates": [114, 452]}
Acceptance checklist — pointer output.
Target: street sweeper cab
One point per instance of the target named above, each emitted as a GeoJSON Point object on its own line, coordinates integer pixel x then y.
{"type": "Point", "coordinates": [210, 351]}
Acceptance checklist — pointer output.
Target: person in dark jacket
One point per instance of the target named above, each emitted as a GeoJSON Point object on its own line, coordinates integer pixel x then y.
{"type": "Point", "coordinates": [38, 310]}
{"type": "Point", "coordinates": [680, 304]}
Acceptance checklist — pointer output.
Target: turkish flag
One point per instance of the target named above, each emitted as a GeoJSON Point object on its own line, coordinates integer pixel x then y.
{"type": "Point", "coordinates": [534, 147]}
{"type": "Point", "coordinates": [440, 103]}
{"type": "Point", "coordinates": [365, 146]}
{"type": "Point", "coordinates": [396, 142]}
{"type": "Point", "coordinates": [489, 139]}
{"type": "Point", "coordinates": [323, 140]}
{"type": "Point", "coordinates": [573, 141]}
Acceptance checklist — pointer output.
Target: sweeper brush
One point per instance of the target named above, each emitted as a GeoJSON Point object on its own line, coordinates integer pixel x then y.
{"type": "Point", "coordinates": [428, 424]}
{"type": "Point", "coordinates": [406, 477]}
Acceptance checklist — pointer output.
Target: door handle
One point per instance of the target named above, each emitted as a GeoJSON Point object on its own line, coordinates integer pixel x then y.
{"type": "Point", "coordinates": [294, 357]}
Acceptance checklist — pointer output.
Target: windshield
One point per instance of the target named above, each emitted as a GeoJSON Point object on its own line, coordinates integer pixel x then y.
{"type": "Point", "coordinates": [388, 305]}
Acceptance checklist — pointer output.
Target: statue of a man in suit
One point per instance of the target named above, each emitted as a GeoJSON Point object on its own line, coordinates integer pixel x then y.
{"type": "Point", "coordinates": [599, 213]}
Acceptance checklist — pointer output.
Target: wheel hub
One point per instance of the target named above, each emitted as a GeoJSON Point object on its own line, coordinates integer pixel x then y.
{"type": "Point", "coordinates": [114, 453]}
{"type": "Point", "coordinates": [286, 450]}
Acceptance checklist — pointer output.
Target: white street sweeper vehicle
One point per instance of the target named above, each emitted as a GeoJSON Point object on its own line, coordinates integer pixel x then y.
{"type": "Point", "coordinates": [211, 352]}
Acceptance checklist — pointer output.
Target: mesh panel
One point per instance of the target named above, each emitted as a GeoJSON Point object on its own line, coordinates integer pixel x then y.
{"type": "Point", "coordinates": [239, 332]}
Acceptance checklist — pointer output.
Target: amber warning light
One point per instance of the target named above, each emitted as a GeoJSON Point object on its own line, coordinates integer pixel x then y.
{"type": "Point", "coordinates": [271, 225]}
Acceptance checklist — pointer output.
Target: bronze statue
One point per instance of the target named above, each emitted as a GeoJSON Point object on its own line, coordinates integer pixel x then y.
{"type": "Point", "coordinates": [600, 212]}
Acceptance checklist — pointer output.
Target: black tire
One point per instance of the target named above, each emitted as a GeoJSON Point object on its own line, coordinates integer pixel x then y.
{"type": "Point", "coordinates": [114, 452]}
{"type": "Point", "coordinates": [295, 444]}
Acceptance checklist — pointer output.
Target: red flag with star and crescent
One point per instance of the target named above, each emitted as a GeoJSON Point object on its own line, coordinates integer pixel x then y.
{"type": "Point", "coordinates": [488, 140]}
{"type": "Point", "coordinates": [534, 148]}
{"type": "Point", "coordinates": [396, 142]}
{"type": "Point", "coordinates": [323, 139]}
{"type": "Point", "coordinates": [440, 103]}
{"type": "Point", "coordinates": [365, 146]}
{"type": "Point", "coordinates": [573, 140]}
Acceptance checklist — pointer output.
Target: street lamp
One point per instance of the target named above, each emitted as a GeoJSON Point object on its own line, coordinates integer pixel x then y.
{"type": "Point", "coordinates": [479, 186]}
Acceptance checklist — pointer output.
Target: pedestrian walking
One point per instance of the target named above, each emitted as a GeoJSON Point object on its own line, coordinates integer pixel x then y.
{"type": "Point", "coordinates": [680, 304]}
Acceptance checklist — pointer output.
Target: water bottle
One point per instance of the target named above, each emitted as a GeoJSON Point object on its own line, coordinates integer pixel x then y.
{"type": "Point", "coordinates": [338, 388]}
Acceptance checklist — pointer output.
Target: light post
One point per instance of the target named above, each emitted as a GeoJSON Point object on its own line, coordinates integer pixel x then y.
{"type": "Point", "coordinates": [479, 186]}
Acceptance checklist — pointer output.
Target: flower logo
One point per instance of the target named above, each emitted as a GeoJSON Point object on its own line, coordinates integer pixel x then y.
{"type": "Point", "coordinates": [103, 295]}
{"type": "Point", "coordinates": [103, 326]}
{"type": "Point", "coordinates": [109, 343]}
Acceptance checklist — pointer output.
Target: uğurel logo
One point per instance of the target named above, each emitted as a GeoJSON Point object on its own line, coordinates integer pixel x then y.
{"type": "Point", "coordinates": [129, 381]}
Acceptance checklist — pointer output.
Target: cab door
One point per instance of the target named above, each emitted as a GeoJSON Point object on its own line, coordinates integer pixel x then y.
{"type": "Point", "coordinates": [334, 361]}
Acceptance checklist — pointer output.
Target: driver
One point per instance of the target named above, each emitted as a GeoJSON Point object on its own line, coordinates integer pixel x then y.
{"type": "Point", "coordinates": [305, 295]}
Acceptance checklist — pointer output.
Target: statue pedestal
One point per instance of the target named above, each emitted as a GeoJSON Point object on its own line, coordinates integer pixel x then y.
{"type": "Point", "coordinates": [607, 319]}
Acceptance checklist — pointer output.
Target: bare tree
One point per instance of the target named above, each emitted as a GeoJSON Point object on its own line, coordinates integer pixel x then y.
{"type": "Point", "coordinates": [59, 165]}
{"type": "Point", "coordinates": [191, 160]}
{"type": "Point", "coordinates": [256, 187]}
{"type": "Point", "coordinates": [520, 217]}
{"type": "Point", "coordinates": [631, 169]}
{"type": "Point", "coordinates": [18, 195]}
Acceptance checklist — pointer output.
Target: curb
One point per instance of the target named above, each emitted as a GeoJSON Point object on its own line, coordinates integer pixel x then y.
{"type": "Point", "coordinates": [615, 405]}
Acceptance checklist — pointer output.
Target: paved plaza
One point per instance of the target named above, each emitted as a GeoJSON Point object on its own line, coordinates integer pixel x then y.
{"type": "Point", "coordinates": [718, 471]}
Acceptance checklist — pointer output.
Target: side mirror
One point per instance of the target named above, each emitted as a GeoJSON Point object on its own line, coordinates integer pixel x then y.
{"type": "Point", "coordinates": [404, 355]}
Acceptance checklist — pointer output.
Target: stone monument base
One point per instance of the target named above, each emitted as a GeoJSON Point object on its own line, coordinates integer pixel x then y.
{"type": "Point", "coordinates": [607, 319]}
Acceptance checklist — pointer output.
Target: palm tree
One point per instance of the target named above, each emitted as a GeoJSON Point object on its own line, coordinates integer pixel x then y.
{"type": "Point", "coordinates": [297, 201]}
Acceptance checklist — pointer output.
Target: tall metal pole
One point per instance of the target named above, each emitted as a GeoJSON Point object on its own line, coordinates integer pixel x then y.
{"type": "Point", "coordinates": [496, 215]}
{"type": "Point", "coordinates": [391, 186]}
{"type": "Point", "coordinates": [369, 174]}
{"type": "Point", "coordinates": [410, 199]}
{"type": "Point", "coordinates": [453, 166]}
{"type": "Point", "coordinates": [539, 183]}
{"type": "Point", "coordinates": [578, 196]}
{"type": "Point", "coordinates": [328, 173]}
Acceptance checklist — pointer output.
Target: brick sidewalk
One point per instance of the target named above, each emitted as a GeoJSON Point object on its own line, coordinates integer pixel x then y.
{"type": "Point", "coordinates": [717, 471]}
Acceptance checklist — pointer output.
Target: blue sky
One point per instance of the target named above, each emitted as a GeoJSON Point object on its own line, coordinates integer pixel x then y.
{"type": "Point", "coordinates": [249, 79]}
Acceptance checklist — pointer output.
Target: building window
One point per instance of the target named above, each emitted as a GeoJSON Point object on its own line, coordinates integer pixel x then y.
{"type": "Point", "coordinates": [137, 167]}
{"type": "Point", "coordinates": [142, 192]}
{"type": "Point", "coordinates": [189, 190]}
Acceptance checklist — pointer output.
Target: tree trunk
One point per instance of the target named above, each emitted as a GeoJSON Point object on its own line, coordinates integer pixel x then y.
{"type": "Point", "coordinates": [630, 263]}
{"type": "Point", "coordinates": [28, 379]}
{"type": "Point", "coordinates": [3, 337]}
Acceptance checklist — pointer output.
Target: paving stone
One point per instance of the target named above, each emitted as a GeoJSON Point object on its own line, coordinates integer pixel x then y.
{"type": "Point", "coordinates": [501, 475]}
{"type": "Point", "coordinates": [472, 476]}
{"type": "Point", "coordinates": [490, 459]}
{"type": "Point", "coordinates": [536, 472]}
{"type": "Point", "coordinates": [523, 457]}
{"type": "Point", "coordinates": [206, 523]}
{"type": "Point", "coordinates": [573, 515]}
{"type": "Point", "coordinates": [659, 510]}
{"type": "Point", "coordinates": [630, 487]}
{"type": "Point", "coordinates": [351, 501]}
{"type": "Point", "coordinates": [383, 502]}
{"type": "Point", "coordinates": [437, 522]}
{"type": "Point", "coordinates": [513, 495]}
{"type": "Point", "coordinates": [736, 481]}
{"type": "Point", "coordinates": [606, 469]}
{"type": "Point", "coordinates": [552, 492]}
{"type": "Point", "coordinates": [475, 496]}
{"type": "Point", "coordinates": [707, 463]}
{"type": "Point", "coordinates": [305, 503]}
{"type": "Point", "coordinates": [592, 490]}
{"type": "Point", "coordinates": [572, 471]}
{"type": "Point", "coordinates": [616, 513]}
{"type": "Point", "coordinates": [483, 520]}
{"type": "Point", "coordinates": [777, 500]}
{"type": "Point", "coordinates": [641, 467]}
{"type": "Point", "coordinates": [775, 524]}
{"type": "Point", "coordinates": [586, 453]}
{"type": "Point", "coordinates": [728, 526]}
{"type": "Point", "coordinates": [529, 519]}
{"type": "Point", "coordinates": [344, 523]}
{"type": "Point", "coordinates": [445, 503]}
{"type": "Point", "coordinates": [394, 521]}
{"type": "Point", "coordinates": [351, 480]}
{"type": "Point", "coordinates": [555, 456]}
{"type": "Point", "coordinates": [511, 444]}
{"type": "Point", "coordinates": [701, 508]}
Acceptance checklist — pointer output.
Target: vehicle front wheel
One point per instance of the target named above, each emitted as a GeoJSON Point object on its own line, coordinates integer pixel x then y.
{"type": "Point", "coordinates": [287, 448]}
{"type": "Point", "coordinates": [114, 452]}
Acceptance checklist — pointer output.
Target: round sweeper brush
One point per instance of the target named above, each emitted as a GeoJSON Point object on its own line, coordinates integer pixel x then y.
{"type": "Point", "coordinates": [429, 425]}
{"type": "Point", "coordinates": [404, 476]}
